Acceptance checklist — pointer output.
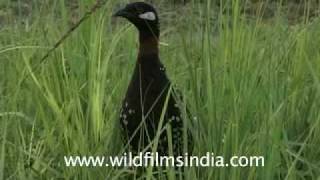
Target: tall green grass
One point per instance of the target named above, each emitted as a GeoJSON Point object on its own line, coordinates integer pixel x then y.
{"type": "Point", "coordinates": [254, 86]}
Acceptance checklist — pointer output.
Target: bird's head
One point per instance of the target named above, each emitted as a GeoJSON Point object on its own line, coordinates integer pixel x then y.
{"type": "Point", "coordinates": [143, 16]}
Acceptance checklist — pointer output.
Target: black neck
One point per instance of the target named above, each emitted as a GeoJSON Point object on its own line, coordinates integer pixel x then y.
{"type": "Point", "coordinates": [147, 34]}
{"type": "Point", "coordinates": [148, 45]}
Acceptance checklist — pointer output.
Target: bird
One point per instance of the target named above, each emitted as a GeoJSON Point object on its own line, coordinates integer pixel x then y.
{"type": "Point", "coordinates": [149, 94]}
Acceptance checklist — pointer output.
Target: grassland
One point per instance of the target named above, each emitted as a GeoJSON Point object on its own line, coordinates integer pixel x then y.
{"type": "Point", "coordinates": [254, 85]}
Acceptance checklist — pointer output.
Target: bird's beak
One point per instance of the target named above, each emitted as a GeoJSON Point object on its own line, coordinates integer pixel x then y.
{"type": "Point", "coordinates": [122, 13]}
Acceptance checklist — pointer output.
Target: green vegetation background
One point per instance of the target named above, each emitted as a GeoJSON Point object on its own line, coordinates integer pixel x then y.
{"type": "Point", "coordinates": [249, 71]}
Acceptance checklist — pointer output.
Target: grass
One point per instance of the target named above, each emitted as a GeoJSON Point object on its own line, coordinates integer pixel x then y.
{"type": "Point", "coordinates": [254, 86]}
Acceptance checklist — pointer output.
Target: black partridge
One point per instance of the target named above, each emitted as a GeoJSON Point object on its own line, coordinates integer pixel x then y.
{"type": "Point", "coordinates": [148, 90]}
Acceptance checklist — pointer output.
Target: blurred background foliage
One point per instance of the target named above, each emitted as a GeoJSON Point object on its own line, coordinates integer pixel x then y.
{"type": "Point", "coordinates": [21, 10]}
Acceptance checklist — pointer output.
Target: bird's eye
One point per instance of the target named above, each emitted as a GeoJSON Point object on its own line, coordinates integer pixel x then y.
{"type": "Point", "coordinates": [148, 16]}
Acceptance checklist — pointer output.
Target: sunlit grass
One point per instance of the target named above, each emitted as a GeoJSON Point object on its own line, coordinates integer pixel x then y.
{"type": "Point", "coordinates": [253, 85]}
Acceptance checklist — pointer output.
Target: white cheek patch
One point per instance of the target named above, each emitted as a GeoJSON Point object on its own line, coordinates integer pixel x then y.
{"type": "Point", "coordinates": [148, 16]}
